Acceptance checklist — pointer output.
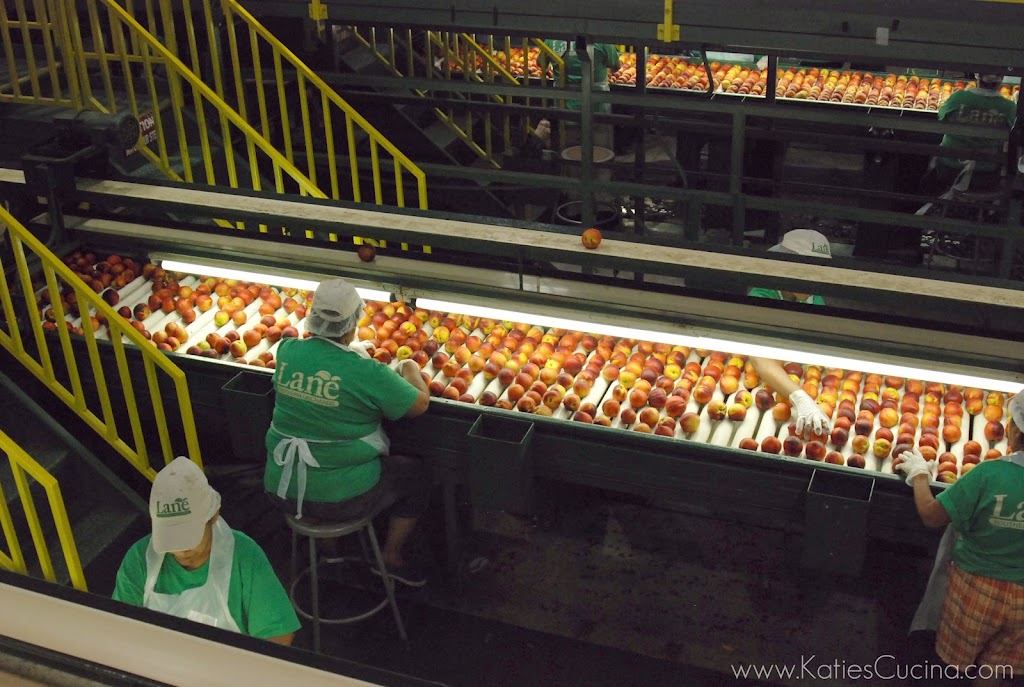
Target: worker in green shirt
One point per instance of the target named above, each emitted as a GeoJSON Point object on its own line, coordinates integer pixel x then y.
{"type": "Point", "coordinates": [983, 105]}
{"type": "Point", "coordinates": [194, 566]}
{"type": "Point", "coordinates": [981, 622]}
{"type": "Point", "coordinates": [604, 59]}
{"type": "Point", "coordinates": [328, 455]}
{"type": "Point", "coordinates": [806, 242]}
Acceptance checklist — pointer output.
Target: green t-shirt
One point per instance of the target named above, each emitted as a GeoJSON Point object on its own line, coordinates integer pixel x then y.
{"type": "Point", "coordinates": [987, 508]}
{"type": "Point", "coordinates": [777, 295]}
{"type": "Point", "coordinates": [327, 393]}
{"type": "Point", "coordinates": [257, 602]}
{"type": "Point", "coordinates": [976, 106]}
{"type": "Point", "coordinates": [605, 59]}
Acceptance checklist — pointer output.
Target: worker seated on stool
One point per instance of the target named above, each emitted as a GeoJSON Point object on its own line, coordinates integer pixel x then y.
{"type": "Point", "coordinates": [983, 104]}
{"type": "Point", "coordinates": [805, 242]}
{"type": "Point", "coordinates": [327, 454]}
{"type": "Point", "coordinates": [194, 566]}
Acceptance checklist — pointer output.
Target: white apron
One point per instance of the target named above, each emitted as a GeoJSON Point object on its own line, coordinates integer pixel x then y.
{"type": "Point", "coordinates": [207, 604]}
{"type": "Point", "coordinates": [292, 454]}
{"type": "Point", "coordinates": [929, 611]}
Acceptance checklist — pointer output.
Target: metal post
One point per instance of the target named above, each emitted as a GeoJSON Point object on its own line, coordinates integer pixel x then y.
{"type": "Point", "coordinates": [586, 130]}
{"type": "Point", "coordinates": [640, 145]}
{"type": "Point", "coordinates": [736, 178]}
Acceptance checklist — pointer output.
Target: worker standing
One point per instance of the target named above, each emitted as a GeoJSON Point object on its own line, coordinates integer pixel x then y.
{"type": "Point", "coordinates": [604, 59]}
{"type": "Point", "coordinates": [806, 242]}
{"type": "Point", "coordinates": [982, 620]}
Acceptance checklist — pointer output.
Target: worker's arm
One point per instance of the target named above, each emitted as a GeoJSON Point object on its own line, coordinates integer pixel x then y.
{"type": "Point", "coordinates": [773, 375]}
{"type": "Point", "coordinates": [283, 640]}
{"type": "Point", "coordinates": [931, 511]}
{"type": "Point", "coordinates": [808, 416]}
{"type": "Point", "coordinates": [410, 371]}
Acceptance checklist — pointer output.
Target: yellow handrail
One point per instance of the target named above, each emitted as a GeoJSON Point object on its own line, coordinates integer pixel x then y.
{"type": "Point", "coordinates": [328, 97]}
{"type": "Point", "coordinates": [98, 320]}
{"type": "Point", "coordinates": [22, 467]}
{"type": "Point", "coordinates": [46, 29]}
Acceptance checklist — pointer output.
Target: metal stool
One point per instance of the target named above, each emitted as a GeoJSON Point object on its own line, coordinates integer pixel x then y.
{"type": "Point", "coordinates": [314, 531]}
{"type": "Point", "coordinates": [967, 251]}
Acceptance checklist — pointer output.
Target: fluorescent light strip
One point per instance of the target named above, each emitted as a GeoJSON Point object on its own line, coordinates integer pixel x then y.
{"type": "Point", "coordinates": [726, 346]}
{"type": "Point", "coordinates": [259, 278]}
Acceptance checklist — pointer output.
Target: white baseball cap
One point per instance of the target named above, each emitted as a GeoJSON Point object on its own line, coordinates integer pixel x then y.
{"type": "Point", "coordinates": [807, 242]}
{"type": "Point", "coordinates": [181, 502]}
{"type": "Point", "coordinates": [336, 309]}
{"type": "Point", "coordinates": [1017, 409]}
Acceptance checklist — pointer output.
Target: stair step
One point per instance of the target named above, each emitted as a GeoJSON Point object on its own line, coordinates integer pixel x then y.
{"type": "Point", "coordinates": [98, 534]}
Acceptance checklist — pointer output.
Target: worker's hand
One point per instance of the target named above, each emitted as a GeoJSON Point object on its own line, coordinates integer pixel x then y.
{"type": "Point", "coordinates": [361, 348]}
{"type": "Point", "coordinates": [809, 416]}
{"type": "Point", "coordinates": [913, 465]}
{"type": "Point", "coordinates": [408, 369]}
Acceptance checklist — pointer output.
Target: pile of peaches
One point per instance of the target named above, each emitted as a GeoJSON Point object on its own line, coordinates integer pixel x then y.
{"type": "Point", "coordinates": [822, 85]}
{"type": "Point", "coordinates": [672, 391]}
{"type": "Point", "coordinates": [199, 315]}
{"type": "Point", "coordinates": [684, 393]}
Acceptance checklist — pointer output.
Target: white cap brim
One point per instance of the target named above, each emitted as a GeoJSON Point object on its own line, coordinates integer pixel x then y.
{"type": "Point", "coordinates": [180, 536]}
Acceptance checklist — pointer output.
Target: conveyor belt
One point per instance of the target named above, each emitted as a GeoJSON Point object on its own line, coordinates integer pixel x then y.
{"type": "Point", "coordinates": [508, 239]}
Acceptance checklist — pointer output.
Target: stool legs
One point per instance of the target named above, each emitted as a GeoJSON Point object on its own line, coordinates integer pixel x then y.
{"type": "Point", "coordinates": [389, 584]}
{"type": "Point", "coordinates": [314, 585]}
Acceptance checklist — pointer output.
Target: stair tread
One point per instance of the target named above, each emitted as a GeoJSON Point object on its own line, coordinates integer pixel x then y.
{"type": "Point", "coordinates": [94, 534]}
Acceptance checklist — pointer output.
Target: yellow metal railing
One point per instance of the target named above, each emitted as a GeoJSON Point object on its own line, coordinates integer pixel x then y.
{"type": "Point", "coordinates": [35, 46]}
{"type": "Point", "coordinates": [316, 102]}
{"type": "Point", "coordinates": [23, 466]}
{"type": "Point", "coordinates": [46, 349]}
{"type": "Point", "coordinates": [129, 38]}
{"type": "Point", "coordinates": [459, 55]}
{"type": "Point", "coordinates": [118, 63]}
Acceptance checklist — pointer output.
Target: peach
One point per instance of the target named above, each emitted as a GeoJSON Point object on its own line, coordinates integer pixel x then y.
{"type": "Point", "coordinates": [969, 458]}
{"type": "Point", "coordinates": [748, 444]}
{"type": "Point", "coordinates": [888, 417]}
{"type": "Point", "coordinates": [781, 412]}
{"type": "Point", "coordinates": [860, 443]}
{"type": "Point", "coordinates": [993, 413]}
{"type": "Point", "coordinates": [928, 452]}
{"type": "Point", "coordinates": [572, 403]}
{"type": "Point", "coordinates": [951, 434]}
{"type": "Point", "coordinates": [856, 461]}
{"type": "Point", "coordinates": [994, 431]}
{"type": "Point", "coordinates": [736, 411]}
{"type": "Point", "coordinates": [929, 440]}
{"type": "Point", "coordinates": [973, 448]}
{"type": "Point", "coordinates": [628, 416]}
{"type": "Point", "coordinates": [815, 450]}
{"type": "Point", "coordinates": [764, 399]}
{"type": "Point", "coordinates": [839, 437]}
{"type": "Point", "coordinates": [638, 398]}
{"type": "Point", "coordinates": [881, 448]}
{"type": "Point", "coordinates": [835, 457]}
{"type": "Point", "coordinates": [793, 446]}
{"type": "Point", "coordinates": [675, 406]}
{"type": "Point", "coordinates": [992, 454]}
{"type": "Point", "coordinates": [771, 444]}
{"type": "Point", "coordinates": [884, 433]}
{"type": "Point", "coordinates": [649, 416]}
{"type": "Point", "coordinates": [717, 410]}
{"type": "Point", "coordinates": [689, 422]}
{"type": "Point", "coordinates": [862, 427]}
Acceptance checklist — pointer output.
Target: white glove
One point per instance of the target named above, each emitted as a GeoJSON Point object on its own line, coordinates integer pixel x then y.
{"type": "Point", "coordinates": [361, 348]}
{"type": "Point", "coordinates": [913, 465]}
{"type": "Point", "coordinates": [408, 367]}
{"type": "Point", "coordinates": [808, 414]}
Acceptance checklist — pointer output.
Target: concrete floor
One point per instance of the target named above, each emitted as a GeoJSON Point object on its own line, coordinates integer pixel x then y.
{"type": "Point", "coordinates": [597, 589]}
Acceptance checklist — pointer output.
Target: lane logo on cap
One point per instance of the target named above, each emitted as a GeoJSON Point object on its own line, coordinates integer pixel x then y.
{"type": "Point", "coordinates": [178, 506]}
{"type": "Point", "coordinates": [821, 248]}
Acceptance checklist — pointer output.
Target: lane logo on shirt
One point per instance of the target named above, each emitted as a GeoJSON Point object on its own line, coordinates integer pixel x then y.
{"type": "Point", "coordinates": [321, 388]}
{"type": "Point", "coordinates": [1014, 520]}
{"type": "Point", "coordinates": [178, 506]}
